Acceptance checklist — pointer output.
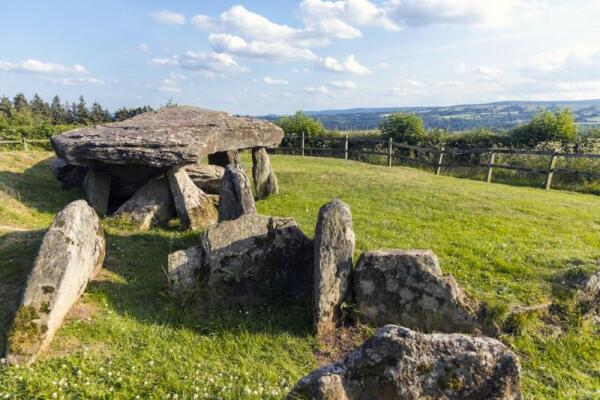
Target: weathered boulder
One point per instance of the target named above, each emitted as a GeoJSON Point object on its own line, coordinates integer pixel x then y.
{"type": "Point", "coordinates": [182, 270]}
{"type": "Point", "coordinates": [72, 251]}
{"type": "Point", "coordinates": [96, 188]}
{"type": "Point", "coordinates": [408, 288]}
{"type": "Point", "coordinates": [334, 245]}
{"type": "Point", "coordinates": [254, 258]}
{"type": "Point", "coordinates": [236, 197]}
{"type": "Point", "coordinates": [265, 181]}
{"type": "Point", "coordinates": [207, 177]}
{"type": "Point", "coordinates": [224, 158]}
{"type": "Point", "coordinates": [397, 363]}
{"type": "Point", "coordinates": [169, 137]}
{"type": "Point", "coordinates": [152, 205]}
{"type": "Point", "coordinates": [588, 298]}
{"type": "Point", "coordinates": [194, 207]}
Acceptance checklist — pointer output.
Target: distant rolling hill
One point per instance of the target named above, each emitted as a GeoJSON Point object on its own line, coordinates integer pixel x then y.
{"type": "Point", "coordinates": [498, 116]}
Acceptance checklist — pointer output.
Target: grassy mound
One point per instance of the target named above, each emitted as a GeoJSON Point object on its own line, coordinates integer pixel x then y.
{"type": "Point", "coordinates": [505, 245]}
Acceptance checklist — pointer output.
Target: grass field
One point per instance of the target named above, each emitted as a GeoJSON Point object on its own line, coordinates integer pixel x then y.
{"type": "Point", "coordinates": [506, 245]}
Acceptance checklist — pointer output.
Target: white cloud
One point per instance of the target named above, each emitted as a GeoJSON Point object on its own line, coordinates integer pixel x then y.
{"type": "Point", "coordinates": [454, 12]}
{"type": "Point", "coordinates": [272, 81]}
{"type": "Point", "coordinates": [279, 51]}
{"type": "Point", "coordinates": [255, 26]}
{"type": "Point", "coordinates": [349, 65]}
{"type": "Point", "coordinates": [77, 81]}
{"type": "Point", "coordinates": [318, 89]}
{"type": "Point", "coordinates": [487, 72]}
{"type": "Point", "coordinates": [578, 63]}
{"type": "Point", "coordinates": [171, 84]}
{"type": "Point", "coordinates": [384, 65]}
{"type": "Point", "coordinates": [163, 61]}
{"type": "Point", "coordinates": [144, 48]}
{"type": "Point", "coordinates": [168, 17]}
{"type": "Point", "coordinates": [349, 85]}
{"type": "Point", "coordinates": [40, 67]}
{"type": "Point", "coordinates": [202, 22]}
{"type": "Point", "coordinates": [209, 64]}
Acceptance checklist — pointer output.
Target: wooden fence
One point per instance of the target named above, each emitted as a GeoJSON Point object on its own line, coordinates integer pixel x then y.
{"type": "Point", "coordinates": [24, 143]}
{"type": "Point", "coordinates": [439, 156]}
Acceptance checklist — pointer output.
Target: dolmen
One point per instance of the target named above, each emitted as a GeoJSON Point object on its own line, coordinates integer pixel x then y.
{"type": "Point", "coordinates": [149, 169]}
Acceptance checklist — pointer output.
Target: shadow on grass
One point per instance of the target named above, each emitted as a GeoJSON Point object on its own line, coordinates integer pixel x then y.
{"type": "Point", "coordinates": [17, 251]}
{"type": "Point", "coordinates": [134, 283]}
{"type": "Point", "coordinates": [37, 188]}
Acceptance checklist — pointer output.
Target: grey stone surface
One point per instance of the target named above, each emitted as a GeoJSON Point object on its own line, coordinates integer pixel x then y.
{"type": "Point", "coordinates": [182, 270]}
{"type": "Point", "coordinates": [334, 245]}
{"type": "Point", "coordinates": [71, 253]}
{"type": "Point", "coordinates": [96, 189]}
{"type": "Point", "coordinates": [588, 298]}
{"type": "Point", "coordinates": [254, 258]}
{"type": "Point", "coordinates": [224, 158]}
{"type": "Point", "coordinates": [236, 197]}
{"type": "Point", "coordinates": [152, 205]}
{"type": "Point", "coordinates": [408, 288]}
{"type": "Point", "coordinates": [194, 207]}
{"type": "Point", "coordinates": [171, 136]}
{"type": "Point", "coordinates": [207, 177]}
{"type": "Point", "coordinates": [265, 181]}
{"type": "Point", "coordinates": [397, 363]}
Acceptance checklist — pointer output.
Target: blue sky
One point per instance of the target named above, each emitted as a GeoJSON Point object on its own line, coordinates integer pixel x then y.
{"type": "Point", "coordinates": [259, 57]}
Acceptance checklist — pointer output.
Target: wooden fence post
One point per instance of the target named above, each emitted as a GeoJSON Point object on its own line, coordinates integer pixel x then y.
{"type": "Point", "coordinates": [302, 144]}
{"type": "Point", "coordinates": [551, 168]}
{"type": "Point", "coordinates": [390, 151]}
{"type": "Point", "coordinates": [490, 169]}
{"type": "Point", "coordinates": [25, 146]}
{"type": "Point", "coordinates": [346, 147]}
{"type": "Point", "coordinates": [438, 168]}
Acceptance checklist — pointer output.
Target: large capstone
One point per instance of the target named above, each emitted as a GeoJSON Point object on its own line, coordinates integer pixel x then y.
{"type": "Point", "coordinates": [265, 181]}
{"type": "Point", "coordinates": [255, 258]}
{"type": "Point", "coordinates": [236, 197]}
{"type": "Point", "coordinates": [397, 363]}
{"type": "Point", "coordinates": [334, 245]}
{"type": "Point", "coordinates": [152, 205]}
{"type": "Point", "coordinates": [207, 177]}
{"type": "Point", "coordinates": [96, 188]}
{"type": "Point", "coordinates": [408, 288]}
{"type": "Point", "coordinates": [169, 137]}
{"type": "Point", "coordinates": [72, 251]}
{"type": "Point", "coordinates": [194, 207]}
{"type": "Point", "coordinates": [184, 266]}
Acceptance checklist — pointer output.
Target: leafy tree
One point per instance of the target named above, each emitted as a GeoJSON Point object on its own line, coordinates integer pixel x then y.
{"type": "Point", "coordinates": [57, 111]}
{"type": "Point", "coordinates": [301, 123]}
{"type": "Point", "coordinates": [6, 107]}
{"type": "Point", "coordinates": [39, 107]}
{"type": "Point", "coordinates": [82, 115]}
{"type": "Point", "coordinates": [20, 103]}
{"type": "Point", "coordinates": [403, 127]}
{"type": "Point", "coordinates": [546, 126]}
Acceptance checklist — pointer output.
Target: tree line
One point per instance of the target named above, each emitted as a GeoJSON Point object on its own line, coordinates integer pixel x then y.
{"type": "Point", "coordinates": [20, 111]}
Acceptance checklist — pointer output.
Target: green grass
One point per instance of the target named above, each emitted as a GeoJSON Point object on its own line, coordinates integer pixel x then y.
{"type": "Point", "coordinates": [505, 245]}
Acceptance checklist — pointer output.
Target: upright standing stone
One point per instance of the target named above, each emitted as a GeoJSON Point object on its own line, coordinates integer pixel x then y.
{"type": "Point", "coordinates": [151, 205]}
{"type": "Point", "coordinates": [334, 245]}
{"type": "Point", "coordinates": [194, 207]}
{"type": "Point", "coordinates": [265, 181]}
{"type": "Point", "coordinates": [236, 194]}
{"type": "Point", "coordinates": [397, 363]}
{"type": "Point", "coordinates": [182, 269]}
{"type": "Point", "coordinates": [407, 287]}
{"type": "Point", "coordinates": [224, 158]}
{"type": "Point", "coordinates": [96, 188]}
{"type": "Point", "coordinates": [71, 252]}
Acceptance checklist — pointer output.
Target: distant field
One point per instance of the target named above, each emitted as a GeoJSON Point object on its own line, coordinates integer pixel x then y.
{"type": "Point", "coordinates": [506, 245]}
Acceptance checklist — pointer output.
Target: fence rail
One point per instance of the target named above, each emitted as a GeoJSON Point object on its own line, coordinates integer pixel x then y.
{"type": "Point", "coordinates": [24, 142]}
{"type": "Point", "coordinates": [389, 149]}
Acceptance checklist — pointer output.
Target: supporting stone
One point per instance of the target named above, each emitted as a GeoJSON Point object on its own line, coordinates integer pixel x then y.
{"type": "Point", "coordinates": [236, 197]}
{"type": "Point", "coordinates": [334, 245]}
{"type": "Point", "coordinates": [265, 181]}
{"type": "Point", "coordinates": [182, 270]}
{"type": "Point", "coordinates": [408, 288]}
{"type": "Point", "coordinates": [194, 207]}
{"type": "Point", "coordinates": [397, 363]}
{"type": "Point", "coordinates": [152, 205]}
{"type": "Point", "coordinates": [224, 158]}
{"type": "Point", "coordinates": [206, 177]}
{"type": "Point", "coordinates": [71, 253]}
{"type": "Point", "coordinates": [96, 188]}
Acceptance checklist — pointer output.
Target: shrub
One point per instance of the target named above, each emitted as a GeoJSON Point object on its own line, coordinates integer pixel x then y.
{"type": "Point", "coordinates": [546, 126]}
{"type": "Point", "coordinates": [403, 127]}
{"type": "Point", "coordinates": [301, 123]}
